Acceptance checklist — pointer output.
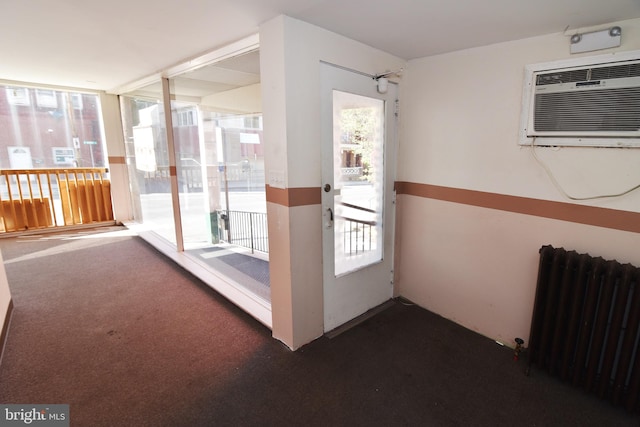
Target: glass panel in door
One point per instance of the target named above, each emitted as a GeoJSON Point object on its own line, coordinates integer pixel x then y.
{"type": "Point", "coordinates": [358, 176]}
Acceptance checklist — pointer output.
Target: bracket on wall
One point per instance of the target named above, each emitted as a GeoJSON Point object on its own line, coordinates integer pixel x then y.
{"type": "Point", "coordinates": [383, 79]}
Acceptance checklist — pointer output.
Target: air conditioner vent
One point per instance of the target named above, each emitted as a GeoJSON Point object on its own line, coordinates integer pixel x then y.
{"type": "Point", "coordinates": [583, 102]}
{"type": "Point", "coordinates": [562, 77]}
{"type": "Point", "coordinates": [617, 72]}
{"type": "Point", "coordinates": [589, 111]}
{"type": "Point", "coordinates": [586, 74]}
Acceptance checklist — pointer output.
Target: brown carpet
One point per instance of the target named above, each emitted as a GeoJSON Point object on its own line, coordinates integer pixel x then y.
{"type": "Point", "coordinates": [114, 329]}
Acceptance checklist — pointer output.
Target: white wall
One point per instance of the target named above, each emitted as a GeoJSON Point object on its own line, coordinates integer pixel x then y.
{"type": "Point", "coordinates": [460, 119]}
{"type": "Point", "coordinates": [290, 55]}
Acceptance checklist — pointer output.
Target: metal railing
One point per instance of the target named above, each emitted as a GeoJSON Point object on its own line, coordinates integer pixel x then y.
{"type": "Point", "coordinates": [246, 229]}
{"type": "Point", "coordinates": [249, 230]}
{"type": "Point", "coordinates": [44, 198]}
{"type": "Point", "coordinates": [352, 171]}
{"type": "Point", "coordinates": [357, 234]}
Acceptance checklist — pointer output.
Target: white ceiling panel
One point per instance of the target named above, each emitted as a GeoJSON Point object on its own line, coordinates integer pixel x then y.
{"type": "Point", "coordinates": [106, 44]}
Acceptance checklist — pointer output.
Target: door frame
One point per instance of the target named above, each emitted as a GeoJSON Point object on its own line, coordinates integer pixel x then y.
{"type": "Point", "coordinates": [379, 272]}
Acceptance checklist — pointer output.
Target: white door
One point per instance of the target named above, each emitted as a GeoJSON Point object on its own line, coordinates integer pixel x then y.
{"type": "Point", "coordinates": [358, 150]}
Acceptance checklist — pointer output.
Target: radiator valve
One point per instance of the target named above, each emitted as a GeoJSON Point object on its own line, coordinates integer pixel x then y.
{"type": "Point", "coordinates": [518, 349]}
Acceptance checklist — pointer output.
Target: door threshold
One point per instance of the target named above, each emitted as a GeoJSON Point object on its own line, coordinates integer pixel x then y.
{"type": "Point", "coordinates": [356, 321]}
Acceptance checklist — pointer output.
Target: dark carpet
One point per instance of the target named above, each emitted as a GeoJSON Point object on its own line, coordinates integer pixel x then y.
{"type": "Point", "coordinates": [116, 330]}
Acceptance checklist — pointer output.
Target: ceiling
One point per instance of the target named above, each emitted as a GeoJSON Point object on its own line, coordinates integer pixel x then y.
{"type": "Point", "coordinates": [105, 44]}
{"type": "Point", "coordinates": [192, 86]}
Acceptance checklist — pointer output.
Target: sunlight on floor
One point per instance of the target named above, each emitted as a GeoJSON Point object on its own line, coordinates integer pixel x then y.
{"type": "Point", "coordinates": [78, 240]}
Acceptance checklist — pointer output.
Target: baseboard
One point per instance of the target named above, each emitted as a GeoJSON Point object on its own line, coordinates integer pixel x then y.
{"type": "Point", "coordinates": [351, 323]}
{"type": "Point", "coordinates": [5, 328]}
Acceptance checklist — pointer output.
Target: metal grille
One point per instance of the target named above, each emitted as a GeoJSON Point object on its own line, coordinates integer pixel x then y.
{"type": "Point", "coordinates": [585, 74]}
{"type": "Point", "coordinates": [569, 76]}
{"type": "Point", "coordinates": [617, 72]}
{"type": "Point", "coordinates": [592, 110]}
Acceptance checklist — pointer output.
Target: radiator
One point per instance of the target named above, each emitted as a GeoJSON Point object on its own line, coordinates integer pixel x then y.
{"type": "Point", "coordinates": [585, 324]}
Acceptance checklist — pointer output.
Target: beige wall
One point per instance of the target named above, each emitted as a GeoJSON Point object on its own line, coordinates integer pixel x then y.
{"type": "Point", "coordinates": [290, 55]}
{"type": "Point", "coordinates": [5, 304]}
{"type": "Point", "coordinates": [460, 121]}
{"type": "Point", "coordinates": [114, 135]}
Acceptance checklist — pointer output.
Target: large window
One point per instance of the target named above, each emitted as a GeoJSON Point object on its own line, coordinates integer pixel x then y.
{"type": "Point", "coordinates": [218, 184]}
{"type": "Point", "coordinates": [46, 98]}
{"type": "Point", "coordinates": [149, 168]}
{"type": "Point", "coordinates": [18, 95]}
{"type": "Point", "coordinates": [43, 128]}
{"type": "Point", "coordinates": [53, 160]}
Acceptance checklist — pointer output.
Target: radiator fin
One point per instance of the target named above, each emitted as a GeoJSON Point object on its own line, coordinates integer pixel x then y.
{"type": "Point", "coordinates": [585, 328]}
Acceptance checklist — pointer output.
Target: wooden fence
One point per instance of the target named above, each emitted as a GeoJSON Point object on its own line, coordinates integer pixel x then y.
{"type": "Point", "coordinates": [46, 198]}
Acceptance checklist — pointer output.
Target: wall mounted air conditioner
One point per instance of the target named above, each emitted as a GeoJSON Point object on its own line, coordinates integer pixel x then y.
{"type": "Point", "coordinates": [585, 102]}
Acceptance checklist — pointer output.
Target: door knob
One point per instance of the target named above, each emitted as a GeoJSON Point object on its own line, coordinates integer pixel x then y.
{"type": "Point", "coordinates": [327, 188]}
